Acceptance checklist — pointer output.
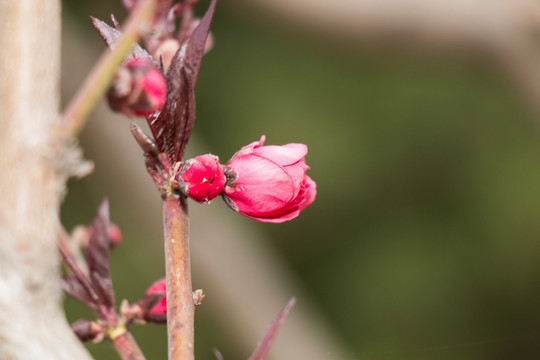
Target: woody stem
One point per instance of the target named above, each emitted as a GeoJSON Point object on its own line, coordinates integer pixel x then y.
{"type": "Point", "coordinates": [126, 347]}
{"type": "Point", "coordinates": [180, 307]}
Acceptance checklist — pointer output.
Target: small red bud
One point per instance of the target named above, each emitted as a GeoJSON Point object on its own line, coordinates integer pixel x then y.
{"type": "Point", "coordinates": [115, 235]}
{"type": "Point", "coordinates": [204, 177]}
{"type": "Point", "coordinates": [138, 88]}
{"type": "Point", "coordinates": [153, 305]}
{"type": "Point", "coordinates": [166, 50]}
{"type": "Point", "coordinates": [86, 329]}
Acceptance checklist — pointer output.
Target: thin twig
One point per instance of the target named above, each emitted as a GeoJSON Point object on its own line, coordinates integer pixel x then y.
{"type": "Point", "coordinates": [98, 80]}
{"type": "Point", "coordinates": [126, 347]}
{"type": "Point", "coordinates": [180, 307]}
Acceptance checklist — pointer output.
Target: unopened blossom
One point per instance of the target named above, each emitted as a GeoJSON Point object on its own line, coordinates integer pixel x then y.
{"type": "Point", "coordinates": [138, 88]}
{"type": "Point", "coordinates": [159, 287]}
{"type": "Point", "coordinates": [269, 183]}
{"type": "Point", "coordinates": [87, 330]}
{"type": "Point", "coordinates": [202, 177]}
{"type": "Point", "coordinates": [115, 235]}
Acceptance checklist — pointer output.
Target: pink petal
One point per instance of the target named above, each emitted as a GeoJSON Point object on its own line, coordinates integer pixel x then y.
{"type": "Point", "coordinates": [283, 155]}
{"type": "Point", "coordinates": [291, 214]}
{"type": "Point", "coordinates": [248, 149]}
{"type": "Point", "coordinates": [260, 176]}
{"type": "Point", "coordinates": [310, 193]}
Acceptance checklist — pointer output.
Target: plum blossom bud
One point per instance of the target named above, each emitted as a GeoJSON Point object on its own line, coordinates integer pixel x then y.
{"type": "Point", "coordinates": [166, 51]}
{"type": "Point", "coordinates": [138, 88]}
{"type": "Point", "coordinates": [87, 330]}
{"type": "Point", "coordinates": [269, 183]}
{"type": "Point", "coordinates": [202, 177]}
{"type": "Point", "coordinates": [159, 287]}
{"type": "Point", "coordinates": [115, 235]}
{"type": "Point", "coordinates": [153, 306]}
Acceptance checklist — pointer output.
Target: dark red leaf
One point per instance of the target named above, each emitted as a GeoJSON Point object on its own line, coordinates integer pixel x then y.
{"type": "Point", "coordinates": [144, 141]}
{"type": "Point", "coordinates": [74, 288]}
{"type": "Point", "coordinates": [98, 255]}
{"type": "Point", "coordinates": [172, 127]}
{"type": "Point", "coordinates": [111, 36]}
{"type": "Point", "coordinates": [104, 289]}
{"type": "Point", "coordinates": [264, 345]}
{"type": "Point", "coordinates": [192, 50]}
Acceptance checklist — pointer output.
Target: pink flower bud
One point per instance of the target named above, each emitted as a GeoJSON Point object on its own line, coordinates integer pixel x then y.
{"type": "Point", "coordinates": [159, 287]}
{"type": "Point", "coordinates": [138, 88]}
{"type": "Point", "coordinates": [166, 51]}
{"type": "Point", "coordinates": [270, 182]}
{"type": "Point", "coordinates": [203, 177]}
{"type": "Point", "coordinates": [115, 235]}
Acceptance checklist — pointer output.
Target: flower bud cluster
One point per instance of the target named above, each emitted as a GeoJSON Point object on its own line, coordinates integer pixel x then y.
{"type": "Point", "coordinates": [265, 183]}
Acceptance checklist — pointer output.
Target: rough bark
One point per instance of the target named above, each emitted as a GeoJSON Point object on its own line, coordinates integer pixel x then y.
{"type": "Point", "coordinates": [32, 323]}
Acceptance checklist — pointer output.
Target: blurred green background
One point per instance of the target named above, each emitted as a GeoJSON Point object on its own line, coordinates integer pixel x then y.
{"type": "Point", "coordinates": [424, 240]}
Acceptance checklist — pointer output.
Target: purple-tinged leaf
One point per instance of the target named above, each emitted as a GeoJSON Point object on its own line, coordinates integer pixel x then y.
{"type": "Point", "coordinates": [111, 36]}
{"type": "Point", "coordinates": [74, 288]}
{"type": "Point", "coordinates": [145, 142]}
{"type": "Point", "coordinates": [104, 289]}
{"type": "Point", "coordinates": [172, 127]}
{"type": "Point", "coordinates": [192, 50]}
{"type": "Point", "coordinates": [98, 256]}
{"type": "Point", "coordinates": [98, 252]}
{"type": "Point", "coordinates": [264, 345]}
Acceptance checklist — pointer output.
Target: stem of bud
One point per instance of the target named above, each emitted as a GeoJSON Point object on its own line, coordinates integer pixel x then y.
{"type": "Point", "coordinates": [180, 306]}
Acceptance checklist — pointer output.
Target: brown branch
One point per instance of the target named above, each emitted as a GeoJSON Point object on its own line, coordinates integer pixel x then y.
{"type": "Point", "coordinates": [180, 307]}
{"type": "Point", "coordinates": [126, 347]}
{"type": "Point", "coordinates": [101, 75]}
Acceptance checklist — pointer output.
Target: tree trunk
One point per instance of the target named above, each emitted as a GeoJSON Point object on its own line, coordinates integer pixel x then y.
{"type": "Point", "coordinates": [32, 179]}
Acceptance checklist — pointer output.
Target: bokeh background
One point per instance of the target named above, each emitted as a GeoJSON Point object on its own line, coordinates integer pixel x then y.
{"type": "Point", "coordinates": [424, 240]}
